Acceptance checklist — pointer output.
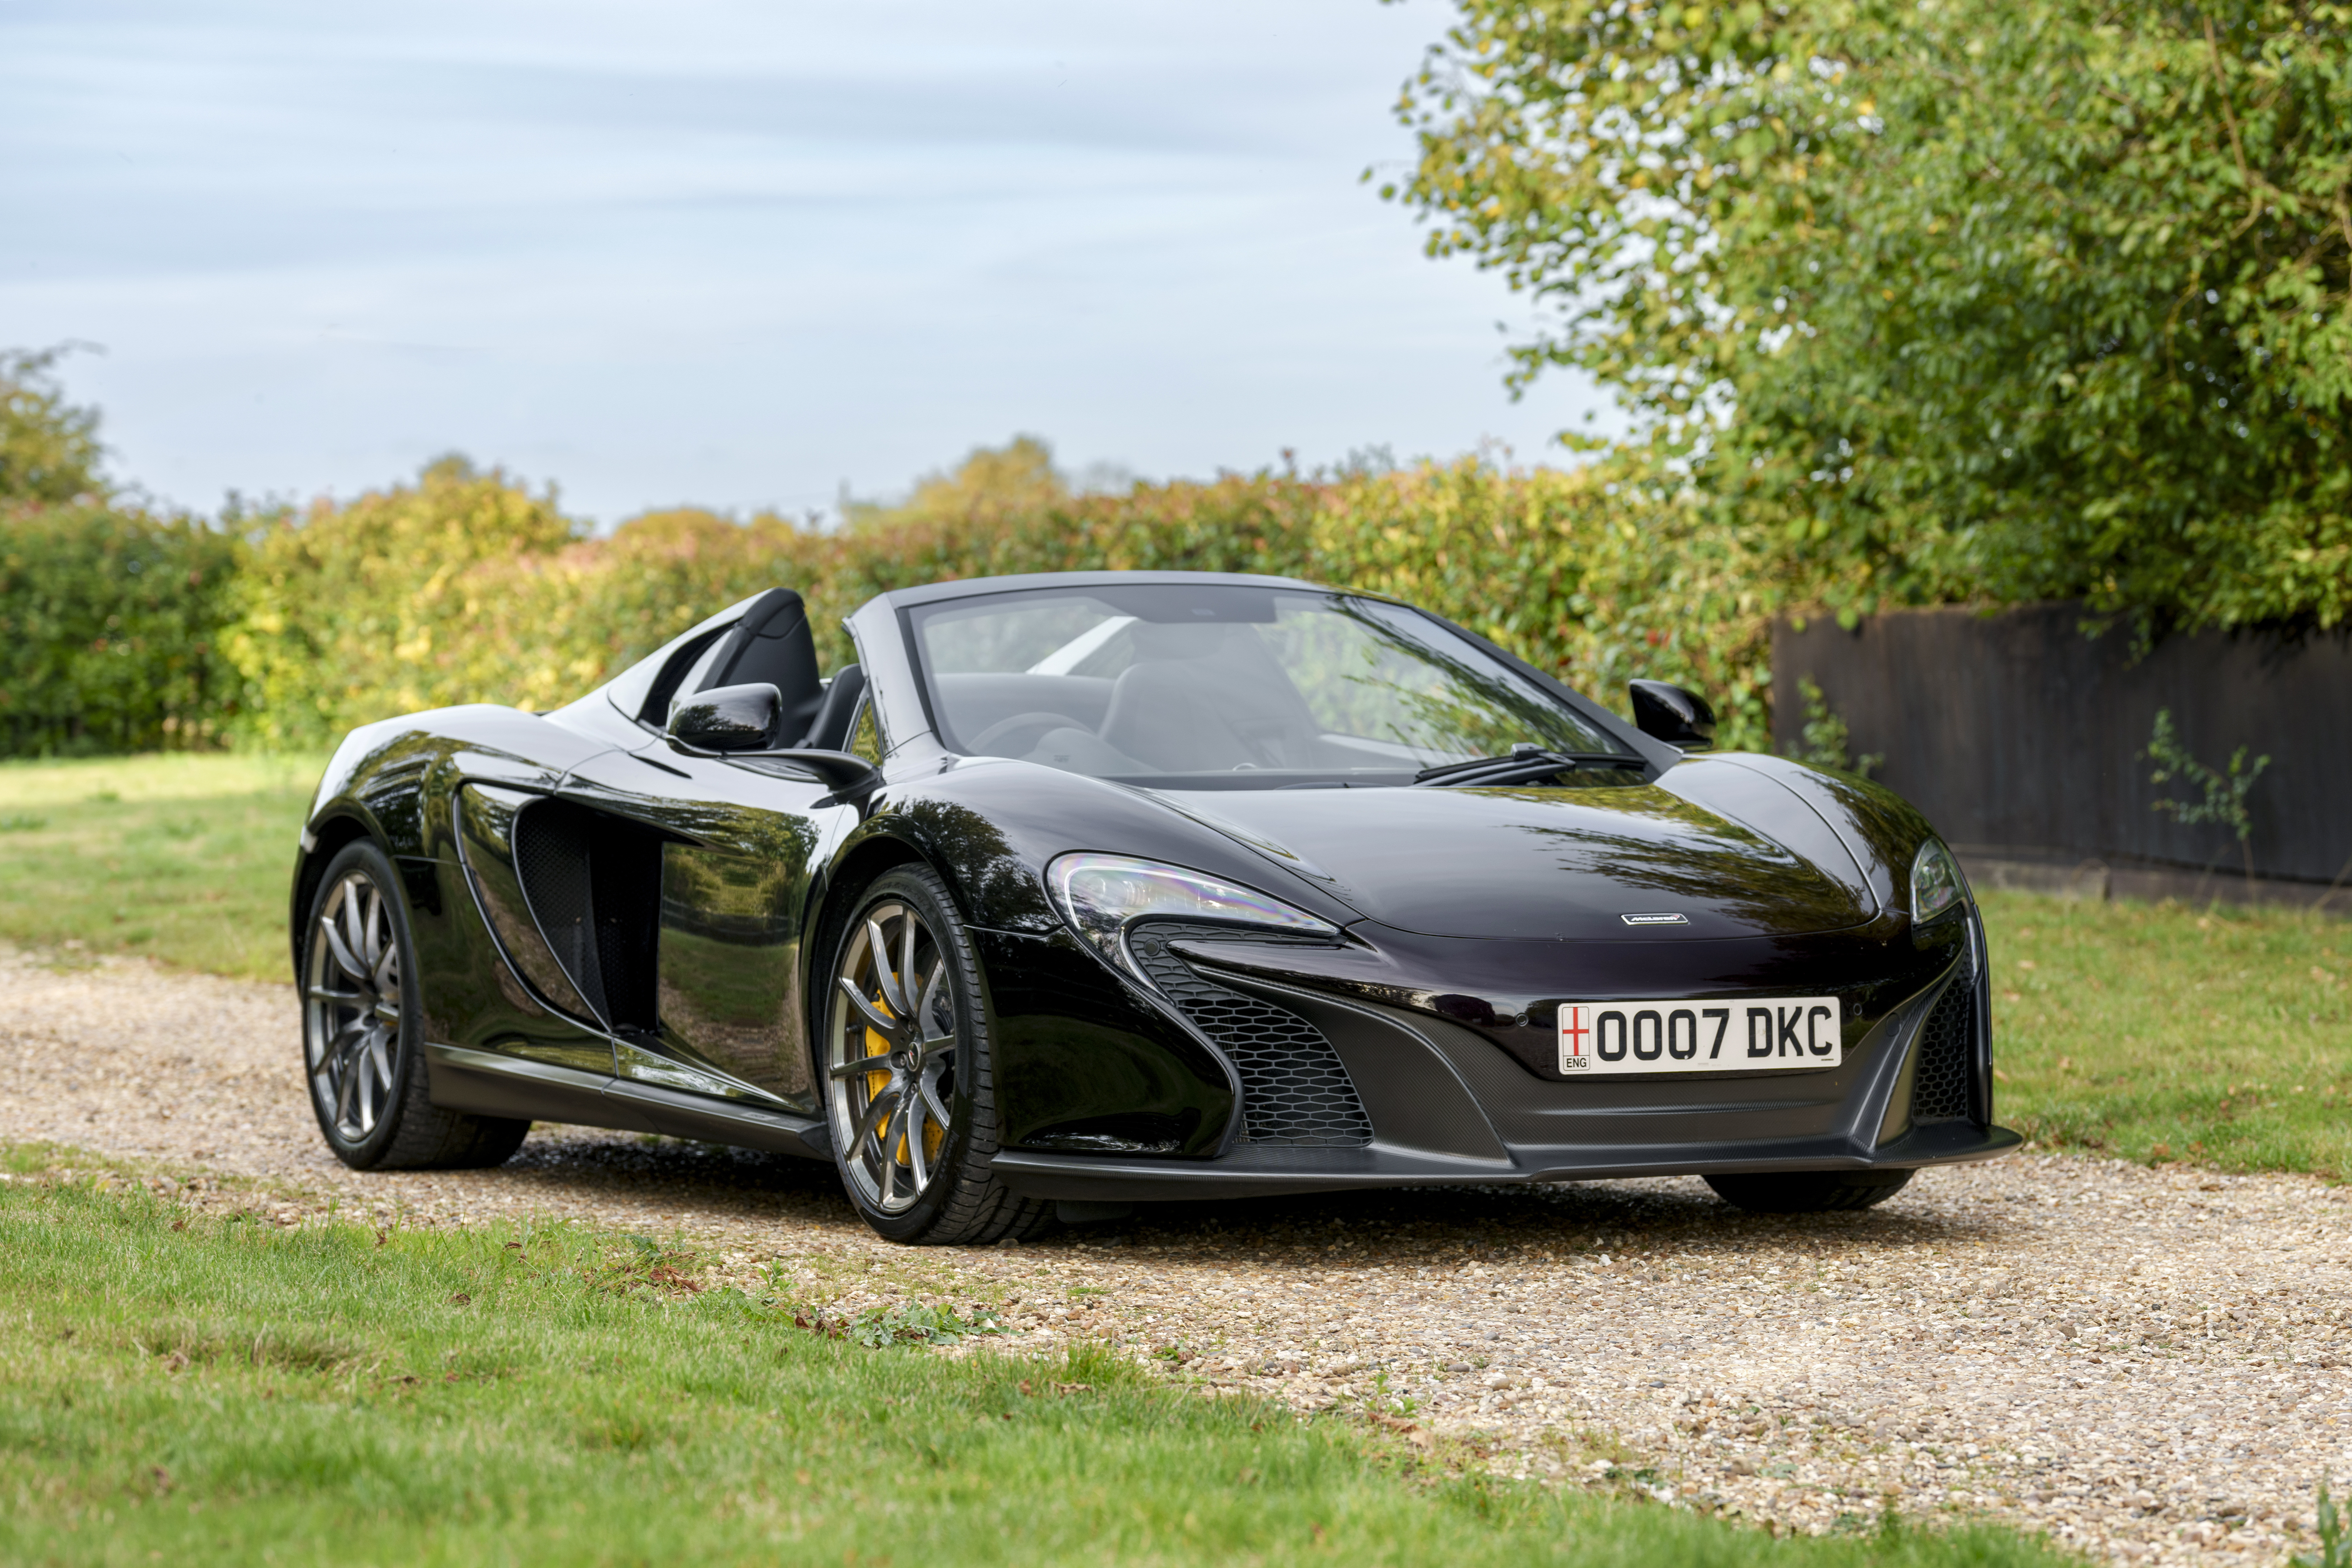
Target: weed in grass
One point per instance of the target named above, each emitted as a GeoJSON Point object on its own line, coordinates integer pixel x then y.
{"type": "Point", "coordinates": [912, 1322]}
{"type": "Point", "coordinates": [23, 822]}
{"type": "Point", "coordinates": [2223, 801]}
{"type": "Point", "coordinates": [2332, 1549]}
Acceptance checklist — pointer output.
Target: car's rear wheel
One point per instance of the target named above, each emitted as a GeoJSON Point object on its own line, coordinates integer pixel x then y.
{"type": "Point", "coordinates": [1809, 1192]}
{"type": "Point", "coordinates": [362, 1034]}
{"type": "Point", "coordinates": [909, 1089]}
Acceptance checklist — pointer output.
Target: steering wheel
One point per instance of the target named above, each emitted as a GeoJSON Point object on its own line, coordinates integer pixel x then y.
{"type": "Point", "coordinates": [1032, 727]}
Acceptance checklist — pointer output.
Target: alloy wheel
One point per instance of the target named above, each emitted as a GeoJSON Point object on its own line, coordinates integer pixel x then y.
{"type": "Point", "coordinates": [890, 1057]}
{"type": "Point", "coordinates": [351, 995]}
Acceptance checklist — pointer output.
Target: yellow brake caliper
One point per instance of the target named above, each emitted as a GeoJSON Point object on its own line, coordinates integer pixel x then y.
{"type": "Point", "coordinates": [875, 1045]}
{"type": "Point", "coordinates": [934, 1135]}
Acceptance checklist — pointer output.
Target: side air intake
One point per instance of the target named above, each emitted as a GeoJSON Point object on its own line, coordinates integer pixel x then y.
{"type": "Point", "coordinates": [594, 883]}
{"type": "Point", "coordinates": [1294, 1089]}
{"type": "Point", "coordinates": [573, 895]}
{"type": "Point", "coordinates": [1939, 1080]}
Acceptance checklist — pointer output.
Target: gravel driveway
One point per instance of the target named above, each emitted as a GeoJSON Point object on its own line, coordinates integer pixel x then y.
{"type": "Point", "coordinates": [2156, 1365]}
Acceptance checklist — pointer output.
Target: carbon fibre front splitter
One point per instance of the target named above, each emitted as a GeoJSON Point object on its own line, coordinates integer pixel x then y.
{"type": "Point", "coordinates": [1256, 1171]}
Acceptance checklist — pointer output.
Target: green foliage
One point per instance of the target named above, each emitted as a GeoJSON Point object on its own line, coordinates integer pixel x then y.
{"type": "Point", "coordinates": [991, 483]}
{"type": "Point", "coordinates": [1967, 299]}
{"type": "Point", "coordinates": [2332, 1553]}
{"type": "Point", "coordinates": [354, 608]}
{"type": "Point", "coordinates": [110, 626]}
{"type": "Point", "coordinates": [48, 448]}
{"type": "Point", "coordinates": [2224, 793]}
{"type": "Point", "coordinates": [1822, 741]}
{"type": "Point", "coordinates": [466, 587]}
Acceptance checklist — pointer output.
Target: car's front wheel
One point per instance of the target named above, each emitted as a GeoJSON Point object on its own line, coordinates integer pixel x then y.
{"type": "Point", "coordinates": [1809, 1192]}
{"type": "Point", "coordinates": [910, 1090]}
{"type": "Point", "coordinates": [362, 1037]}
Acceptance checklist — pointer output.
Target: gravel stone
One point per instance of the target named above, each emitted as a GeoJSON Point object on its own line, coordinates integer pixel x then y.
{"type": "Point", "coordinates": [2152, 1365]}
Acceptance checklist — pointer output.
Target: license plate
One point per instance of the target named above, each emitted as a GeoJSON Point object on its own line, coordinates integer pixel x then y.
{"type": "Point", "coordinates": [1772, 1032]}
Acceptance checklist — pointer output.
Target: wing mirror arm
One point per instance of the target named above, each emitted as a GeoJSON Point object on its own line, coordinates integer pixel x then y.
{"type": "Point", "coordinates": [852, 779]}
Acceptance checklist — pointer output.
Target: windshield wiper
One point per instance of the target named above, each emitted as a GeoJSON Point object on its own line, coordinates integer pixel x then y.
{"type": "Point", "coordinates": [1525, 763]}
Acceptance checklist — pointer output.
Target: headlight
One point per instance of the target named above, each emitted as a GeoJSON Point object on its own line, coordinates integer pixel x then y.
{"type": "Point", "coordinates": [1936, 886]}
{"type": "Point", "coordinates": [1102, 895]}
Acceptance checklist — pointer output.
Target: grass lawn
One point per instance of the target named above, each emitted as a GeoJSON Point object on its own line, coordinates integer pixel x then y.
{"type": "Point", "coordinates": [2160, 1032]}
{"type": "Point", "coordinates": [199, 1390]}
{"type": "Point", "coordinates": [187, 858]}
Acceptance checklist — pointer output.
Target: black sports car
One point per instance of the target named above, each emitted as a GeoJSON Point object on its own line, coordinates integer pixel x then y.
{"type": "Point", "coordinates": [1086, 889]}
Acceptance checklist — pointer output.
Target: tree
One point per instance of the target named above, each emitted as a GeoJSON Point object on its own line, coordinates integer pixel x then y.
{"type": "Point", "coordinates": [1961, 299]}
{"type": "Point", "coordinates": [991, 484]}
{"type": "Point", "coordinates": [48, 447]}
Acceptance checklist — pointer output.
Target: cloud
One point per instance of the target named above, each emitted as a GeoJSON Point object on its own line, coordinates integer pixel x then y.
{"type": "Point", "coordinates": [732, 253]}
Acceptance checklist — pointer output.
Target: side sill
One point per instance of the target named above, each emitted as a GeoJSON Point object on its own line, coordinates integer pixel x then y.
{"type": "Point", "coordinates": [681, 1114]}
{"type": "Point", "coordinates": [491, 1083]}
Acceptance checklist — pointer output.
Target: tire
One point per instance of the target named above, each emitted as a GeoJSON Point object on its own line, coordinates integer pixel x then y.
{"type": "Point", "coordinates": [1809, 1192]}
{"type": "Point", "coordinates": [914, 1138]}
{"type": "Point", "coordinates": [363, 1031]}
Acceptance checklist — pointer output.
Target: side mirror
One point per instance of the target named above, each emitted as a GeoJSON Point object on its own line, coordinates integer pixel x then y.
{"type": "Point", "coordinates": [1673, 714]}
{"type": "Point", "coordinates": [727, 718]}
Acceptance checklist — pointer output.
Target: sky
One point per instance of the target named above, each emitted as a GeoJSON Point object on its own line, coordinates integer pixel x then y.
{"type": "Point", "coordinates": [735, 255]}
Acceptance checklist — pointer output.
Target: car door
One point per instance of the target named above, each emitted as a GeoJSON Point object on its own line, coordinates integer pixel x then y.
{"type": "Point", "coordinates": [726, 888]}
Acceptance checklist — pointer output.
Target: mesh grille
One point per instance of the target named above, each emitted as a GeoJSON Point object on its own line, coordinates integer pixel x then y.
{"type": "Point", "coordinates": [1939, 1081]}
{"type": "Point", "coordinates": [1294, 1089]}
{"type": "Point", "coordinates": [550, 855]}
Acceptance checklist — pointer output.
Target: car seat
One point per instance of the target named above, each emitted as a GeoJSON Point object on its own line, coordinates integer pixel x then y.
{"type": "Point", "coordinates": [1203, 698]}
{"type": "Point", "coordinates": [829, 731]}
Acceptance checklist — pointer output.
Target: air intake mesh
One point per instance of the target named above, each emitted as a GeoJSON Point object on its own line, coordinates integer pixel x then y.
{"type": "Point", "coordinates": [1294, 1089]}
{"type": "Point", "coordinates": [551, 851]}
{"type": "Point", "coordinates": [1939, 1081]}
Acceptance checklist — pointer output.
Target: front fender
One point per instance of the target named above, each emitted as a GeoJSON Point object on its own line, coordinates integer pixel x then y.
{"type": "Point", "coordinates": [1880, 829]}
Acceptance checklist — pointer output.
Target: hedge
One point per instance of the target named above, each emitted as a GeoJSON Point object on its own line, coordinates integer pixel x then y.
{"type": "Point", "coordinates": [110, 626]}
{"type": "Point", "coordinates": [466, 586]}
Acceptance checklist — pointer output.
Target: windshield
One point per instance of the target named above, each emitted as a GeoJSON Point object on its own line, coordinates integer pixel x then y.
{"type": "Point", "coordinates": [1221, 686]}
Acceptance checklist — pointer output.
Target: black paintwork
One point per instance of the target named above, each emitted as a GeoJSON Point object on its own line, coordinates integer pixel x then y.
{"type": "Point", "coordinates": [1675, 714]}
{"type": "Point", "coordinates": [728, 718]}
{"type": "Point", "coordinates": [617, 929]}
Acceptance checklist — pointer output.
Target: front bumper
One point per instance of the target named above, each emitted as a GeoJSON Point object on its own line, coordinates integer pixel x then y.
{"type": "Point", "coordinates": [1450, 1104]}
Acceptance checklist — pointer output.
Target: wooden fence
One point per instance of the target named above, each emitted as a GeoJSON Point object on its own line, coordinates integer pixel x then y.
{"type": "Point", "coordinates": [2024, 741]}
